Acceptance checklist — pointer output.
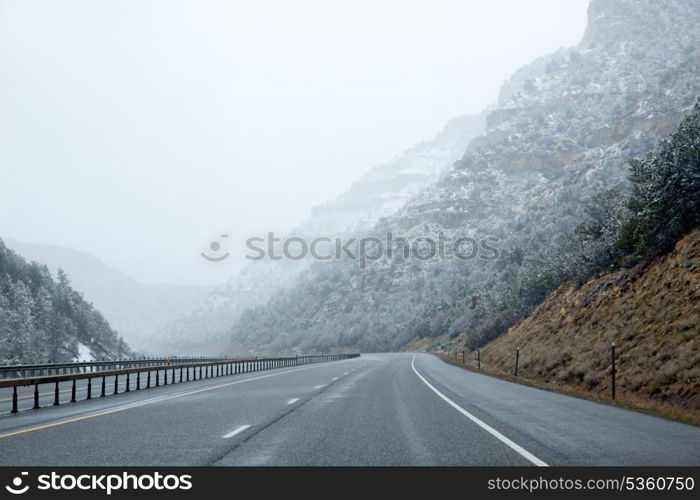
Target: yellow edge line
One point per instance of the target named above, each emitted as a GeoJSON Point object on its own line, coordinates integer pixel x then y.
{"type": "Point", "coordinates": [148, 402]}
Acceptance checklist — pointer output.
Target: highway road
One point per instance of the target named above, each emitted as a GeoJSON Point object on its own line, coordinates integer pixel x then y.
{"type": "Point", "coordinates": [379, 409]}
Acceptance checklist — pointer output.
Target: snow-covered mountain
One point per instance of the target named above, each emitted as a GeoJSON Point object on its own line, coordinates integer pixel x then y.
{"type": "Point", "coordinates": [563, 131]}
{"type": "Point", "coordinates": [44, 319]}
{"type": "Point", "coordinates": [134, 309]}
{"type": "Point", "coordinates": [379, 193]}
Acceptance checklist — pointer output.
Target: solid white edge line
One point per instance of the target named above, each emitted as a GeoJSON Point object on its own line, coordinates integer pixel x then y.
{"type": "Point", "coordinates": [292, 401]}
{"type": "Point", "coordinates": [235, 431]}
{"type": "Point", "coordinates": [522, 451]}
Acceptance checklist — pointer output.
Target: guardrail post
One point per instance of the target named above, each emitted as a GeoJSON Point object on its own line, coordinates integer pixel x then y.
{"type": "Point", "coordinates": [138, 381]}
{"type": "Point", "coordinates": [72, 392]}
{"type": "Point", "coordinates": [36, 396]}
{"type": "Point", "coordinates": [128, 382]}
{"type": "Point", "coordinates": [116, 384]}
{"type": "Point", "coordinates": [180, 374]}
{"type": "Point", "coordinates": [157, 377]}
{"type": "Point", "coordinates": [200, 372]}
{"type": "Point", "coordinates": [56, 401]}
{"type": "Point", "coordinates": [165, 377]}
{"type": "Point", "coordinates": [103, 392]}
{"type": "Point", "coordinates": [148, 380]}
{"type": "Point", "coordinates": [14, 400]}
{"type": "Point", "coordinates": [187, 376]}
{"type": "Point", "coordinates": [89, 389]}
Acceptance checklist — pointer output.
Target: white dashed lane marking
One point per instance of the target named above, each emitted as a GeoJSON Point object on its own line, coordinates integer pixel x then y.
{"type": "Point", "coordinates": [235, 431]}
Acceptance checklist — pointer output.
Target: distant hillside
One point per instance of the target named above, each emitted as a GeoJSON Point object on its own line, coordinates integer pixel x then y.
{"type": "Point", "coordinates": [385, 188]}
{"type": "Point", "coordinates": [46, 320]}
{"type": "Point", "coordinates": [134, 309]}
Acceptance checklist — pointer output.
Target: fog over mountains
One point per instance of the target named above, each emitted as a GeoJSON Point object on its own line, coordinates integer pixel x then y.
{"type": "Point", "coordinates": [379, 193]}
{"type": "Point", "coordinates": [563, 131]}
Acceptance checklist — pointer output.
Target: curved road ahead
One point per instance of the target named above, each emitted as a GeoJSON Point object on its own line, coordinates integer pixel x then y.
{"type": "Point", "coordinates": [379, 409]}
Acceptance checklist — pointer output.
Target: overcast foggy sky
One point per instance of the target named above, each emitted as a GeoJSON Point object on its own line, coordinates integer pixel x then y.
{"type": "Point", "coordinates": [140, 130]}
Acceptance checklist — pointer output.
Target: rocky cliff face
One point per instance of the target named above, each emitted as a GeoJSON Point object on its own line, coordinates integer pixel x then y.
{"type": "Point", "coordinates": [563, 130]}
{"type": "Point", "coordinates": [379, 193]}
{"type": "Point", "coordinates": [386, 188]}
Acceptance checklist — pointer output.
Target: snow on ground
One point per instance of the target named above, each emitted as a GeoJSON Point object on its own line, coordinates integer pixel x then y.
{"type": "Point", "coordinates": [84, 353]}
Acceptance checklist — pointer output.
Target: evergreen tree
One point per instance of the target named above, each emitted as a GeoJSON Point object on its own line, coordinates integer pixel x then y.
{"type": "Point", "coordinates": [665, 201]}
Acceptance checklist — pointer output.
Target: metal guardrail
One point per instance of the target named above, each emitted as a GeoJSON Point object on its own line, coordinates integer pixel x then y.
{"type": "Point", "coordinates": [207, 369]}
{"type": "Point", "coordinates": [23, 371]}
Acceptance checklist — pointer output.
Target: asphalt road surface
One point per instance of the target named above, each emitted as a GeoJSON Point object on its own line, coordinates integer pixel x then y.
{"type": "Point", "coordinates": [379, 409]}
